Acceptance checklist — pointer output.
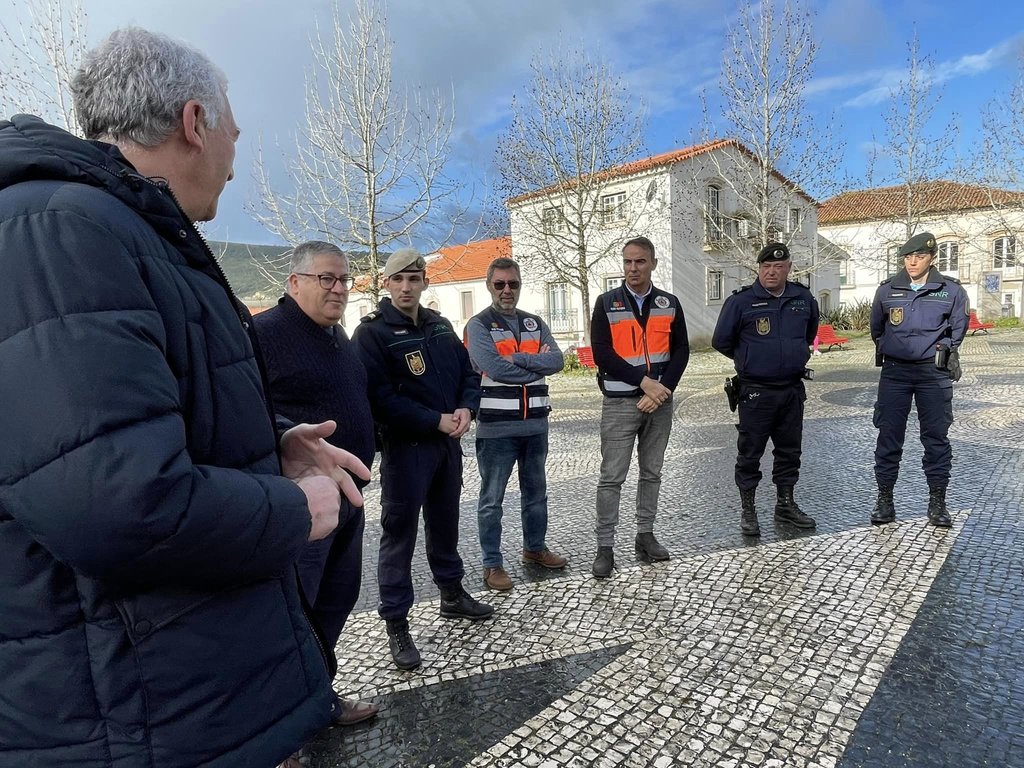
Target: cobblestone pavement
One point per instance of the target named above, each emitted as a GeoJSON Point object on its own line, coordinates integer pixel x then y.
{"type": "Point", "coordinates": [852, 646]}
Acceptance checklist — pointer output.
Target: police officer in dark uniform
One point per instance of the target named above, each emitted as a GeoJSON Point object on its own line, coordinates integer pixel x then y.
{"type": "Point", "coordinates": [918, 321]}
{"type": "Point", "coordinates": [767, 328]}
{"type": "Point", "coordinates": [423, 393]}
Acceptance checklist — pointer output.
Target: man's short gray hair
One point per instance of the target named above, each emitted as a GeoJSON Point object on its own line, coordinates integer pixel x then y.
{"type": "Point", "coordinates": [134, 85]}
{"type": "Point", "coordinates": [502, 262]}
{"type": "Point", "coordinates": [304, 253]}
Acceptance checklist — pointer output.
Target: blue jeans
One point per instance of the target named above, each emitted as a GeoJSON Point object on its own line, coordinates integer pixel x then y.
{"type": "Point", "coordinates": [496, 456]}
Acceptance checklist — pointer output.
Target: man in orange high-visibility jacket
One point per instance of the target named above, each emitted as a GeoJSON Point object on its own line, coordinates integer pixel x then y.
{"type": "Point", "coordinates": [638, 335]}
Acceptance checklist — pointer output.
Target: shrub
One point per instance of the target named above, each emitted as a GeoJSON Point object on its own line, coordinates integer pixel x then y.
{"type": "Point", "coordinates": [572, 362]}
{"type": "Point", "coordinates": [849, 317]}
{"type": "Point", "coordinates": [1007, 322]}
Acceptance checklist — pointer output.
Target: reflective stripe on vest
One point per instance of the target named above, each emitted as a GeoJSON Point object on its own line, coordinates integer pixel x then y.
{"type": "Point", "coordinates": [648, 349]}
{"type": "Point", "coordinates": [513, 402]}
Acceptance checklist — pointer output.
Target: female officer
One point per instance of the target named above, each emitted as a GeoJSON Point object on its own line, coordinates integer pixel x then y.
{"type": "Point", "coordinates": [918, 320]}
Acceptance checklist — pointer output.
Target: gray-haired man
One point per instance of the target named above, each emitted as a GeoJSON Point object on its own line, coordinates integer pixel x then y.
{"type": "Point", "coordinates": [147, 536]}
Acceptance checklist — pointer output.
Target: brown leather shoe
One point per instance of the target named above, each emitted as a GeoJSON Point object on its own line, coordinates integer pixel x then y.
{"type": "Point", "coordinates": [354, 711]}
{"type": "Point", "coordinates": [545, 557]}
{"type": "Point", "coordinates": [497, 579]}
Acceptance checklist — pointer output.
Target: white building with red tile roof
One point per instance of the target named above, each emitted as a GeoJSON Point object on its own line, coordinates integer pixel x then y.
{"type": "Point", "coordinates": [691, 210]}
{"type": "Point", "coordinates": [976, 228]}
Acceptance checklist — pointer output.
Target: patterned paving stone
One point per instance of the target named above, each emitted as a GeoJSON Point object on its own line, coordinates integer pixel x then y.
{"type": "Point", "coordinates": [852, 646]}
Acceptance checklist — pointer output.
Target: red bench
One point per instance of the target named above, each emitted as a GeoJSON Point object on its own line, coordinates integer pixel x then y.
{"type": "Point", "coordinates": [586, 357]}
{"type": "Point", "coordinates": [827, 335]}
{"type": "Point", "coordinates": [974, 324]}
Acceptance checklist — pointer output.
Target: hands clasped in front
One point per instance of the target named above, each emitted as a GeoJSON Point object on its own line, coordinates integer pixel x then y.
{"type": "Point", "coordinates": [655, 395]}
{"type": "Point", "coordinates": [455, 424]}
{"type": "Point", "coordinates": [321, 470]}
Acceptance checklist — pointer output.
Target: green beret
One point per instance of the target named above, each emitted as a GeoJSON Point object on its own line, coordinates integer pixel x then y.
{"type": "Point", "coordinates": [773, 252]}
{"type": "Point", "coordinates": [404, 260]}
{"type": "Point", "coordinates": [922, 243]}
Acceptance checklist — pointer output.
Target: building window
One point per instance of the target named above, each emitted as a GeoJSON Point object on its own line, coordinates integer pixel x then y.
{"type": "Point", "coordinates": [714, 223]}
{"type": "Point", "coordinates": [844, 272]}
{"type": "Point", "coordinates": [553, 220]}
{"type": "Point", "coordinates": [793, 220]}
{"type": "Point", "coordinates": [948, 259]}
{"type": "Point", "coordinates": [466, 300]}
{"type": "Point", "coordinates": [825, 302]}
{"type": "Point", "coordinates": [1004, 252]}
{"type": "Point", "coordinates": [560, 317]}
{"type": "Point", "coordinates": [613, 208]}
{"type": "Point", "coordinates": [715, 284]}
{"type": "Point", "coordinates": [611, 283]}
{"type": "Point", "coordinates": [893, 262]}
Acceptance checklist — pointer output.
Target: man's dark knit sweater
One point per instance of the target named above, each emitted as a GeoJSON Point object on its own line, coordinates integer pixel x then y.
{"type": "Point", "coordinates": [316, 375]}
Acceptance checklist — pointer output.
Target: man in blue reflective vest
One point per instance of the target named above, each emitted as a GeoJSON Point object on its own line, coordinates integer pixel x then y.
{"type": "Point", "coordinates": [918, 321]}
{"type": "Point", "coordinates": [767, 328]}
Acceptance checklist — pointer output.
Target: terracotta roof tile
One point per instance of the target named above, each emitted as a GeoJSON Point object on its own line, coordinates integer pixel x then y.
{"type": "Point", "coordinates": [931, 198]}
{"type": "Point", "coordinates": [458, 263]}
{"type": "Point", "coordinates": [664, 159]}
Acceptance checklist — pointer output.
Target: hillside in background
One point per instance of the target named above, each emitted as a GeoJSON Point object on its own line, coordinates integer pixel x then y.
{"type": "Point", "coordinates": [245, 278]}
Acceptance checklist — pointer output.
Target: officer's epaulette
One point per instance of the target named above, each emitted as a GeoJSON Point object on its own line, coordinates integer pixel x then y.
{"type": "Point", "coordinates": [887, 280]}
{"type": "Point", "coordinates": [802, 285]}
{"type": "Point", "coordinates": [741, 289]}
{"type": "Point", "coordinates": [371, 316]}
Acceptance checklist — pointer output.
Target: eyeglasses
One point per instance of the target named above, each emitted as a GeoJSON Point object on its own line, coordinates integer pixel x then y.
{"type": "Point", "coordinates": [499, 285]}
{"type": "Point", "coordinates": [327, 280]}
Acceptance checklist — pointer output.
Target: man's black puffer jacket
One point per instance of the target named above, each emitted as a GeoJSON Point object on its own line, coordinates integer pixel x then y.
{"type": "Point", "coordinates": [149, 614]}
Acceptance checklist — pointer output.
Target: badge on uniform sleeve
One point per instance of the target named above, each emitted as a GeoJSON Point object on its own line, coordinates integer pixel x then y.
{"type": "Point", "coordinates": [415, 362]}
{"type": "Point", "coordinates": [896, 315]}
{"type": "Point", "coordinates": [661, 302]}
{"type": "Point", "coordinates": [764, 326]}
{"type": "Point", "coordinates": [529, 324]}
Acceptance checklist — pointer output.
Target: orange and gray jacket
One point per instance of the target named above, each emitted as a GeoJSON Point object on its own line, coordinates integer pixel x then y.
{"type": "Point", "coordinates": [629, 344]}
{"type": "Point", "coordinates": [513, 384]}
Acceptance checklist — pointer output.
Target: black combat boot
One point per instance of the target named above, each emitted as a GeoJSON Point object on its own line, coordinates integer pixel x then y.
{"type": "Point", "coordinates": [748, 514]}
{"type": "Point", "coordinates": [788, 511]}
{"type": "Point", "coordinates": [604, 562]}
{"type": "Point", "coordinates": [457, 603]}
{"type": "Point", "coordinates": [648, 550]}
{"type": "Point", "coordinates": [938, 515]}
{"type": "Point", "coordinates": [884, 511]}
{"type": "Point", "coordinates": [403, 649]}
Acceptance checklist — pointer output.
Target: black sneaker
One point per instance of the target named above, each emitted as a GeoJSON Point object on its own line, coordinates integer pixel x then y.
{"type": "Point", "coordinates": [457, 603]}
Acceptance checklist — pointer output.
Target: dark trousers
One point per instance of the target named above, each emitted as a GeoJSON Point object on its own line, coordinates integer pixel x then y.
{"type": "Point", "coordinates": [932, 390]}
{"type": "Point", "coordinates": [331, 571]}
{"type": "Point", "coordinates": [775, 412]}
{"type": "Point", "coordinates": [428, 475]}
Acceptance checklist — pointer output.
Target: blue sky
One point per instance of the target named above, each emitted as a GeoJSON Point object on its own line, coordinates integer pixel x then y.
{"type": "Point", "coordinates": [666, 51]}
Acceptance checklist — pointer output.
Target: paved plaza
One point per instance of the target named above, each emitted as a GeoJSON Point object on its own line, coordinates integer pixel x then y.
{"type": "Point", "coordinates": [847, 646]}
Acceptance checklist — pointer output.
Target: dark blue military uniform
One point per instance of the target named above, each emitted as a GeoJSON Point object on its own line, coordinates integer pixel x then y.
{"type": "Point", "coordinates": [908, 327]}
{"type": "Point", "coordinates": [769, 339]}
{"type": "Point", "coordinates": [416, 372]}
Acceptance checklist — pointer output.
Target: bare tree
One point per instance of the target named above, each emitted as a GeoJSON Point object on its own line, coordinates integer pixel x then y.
{"type": "Point", "coordinates": [998, 163]}
{"type": "Point", "coordinates": [368, 168]}
{"type": "Point", "coordinates": [915, 153]}
{"type": "Point", "coordinates": [758, 195]}
{"type": "Point", "coordinates": [573, 128]}
{"type": "Point", "coordinates": [39, 56]}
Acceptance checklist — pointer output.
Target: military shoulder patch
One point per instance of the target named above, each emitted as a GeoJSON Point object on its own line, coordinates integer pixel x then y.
{"type": "Point", "coordinates": [370, 317]}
